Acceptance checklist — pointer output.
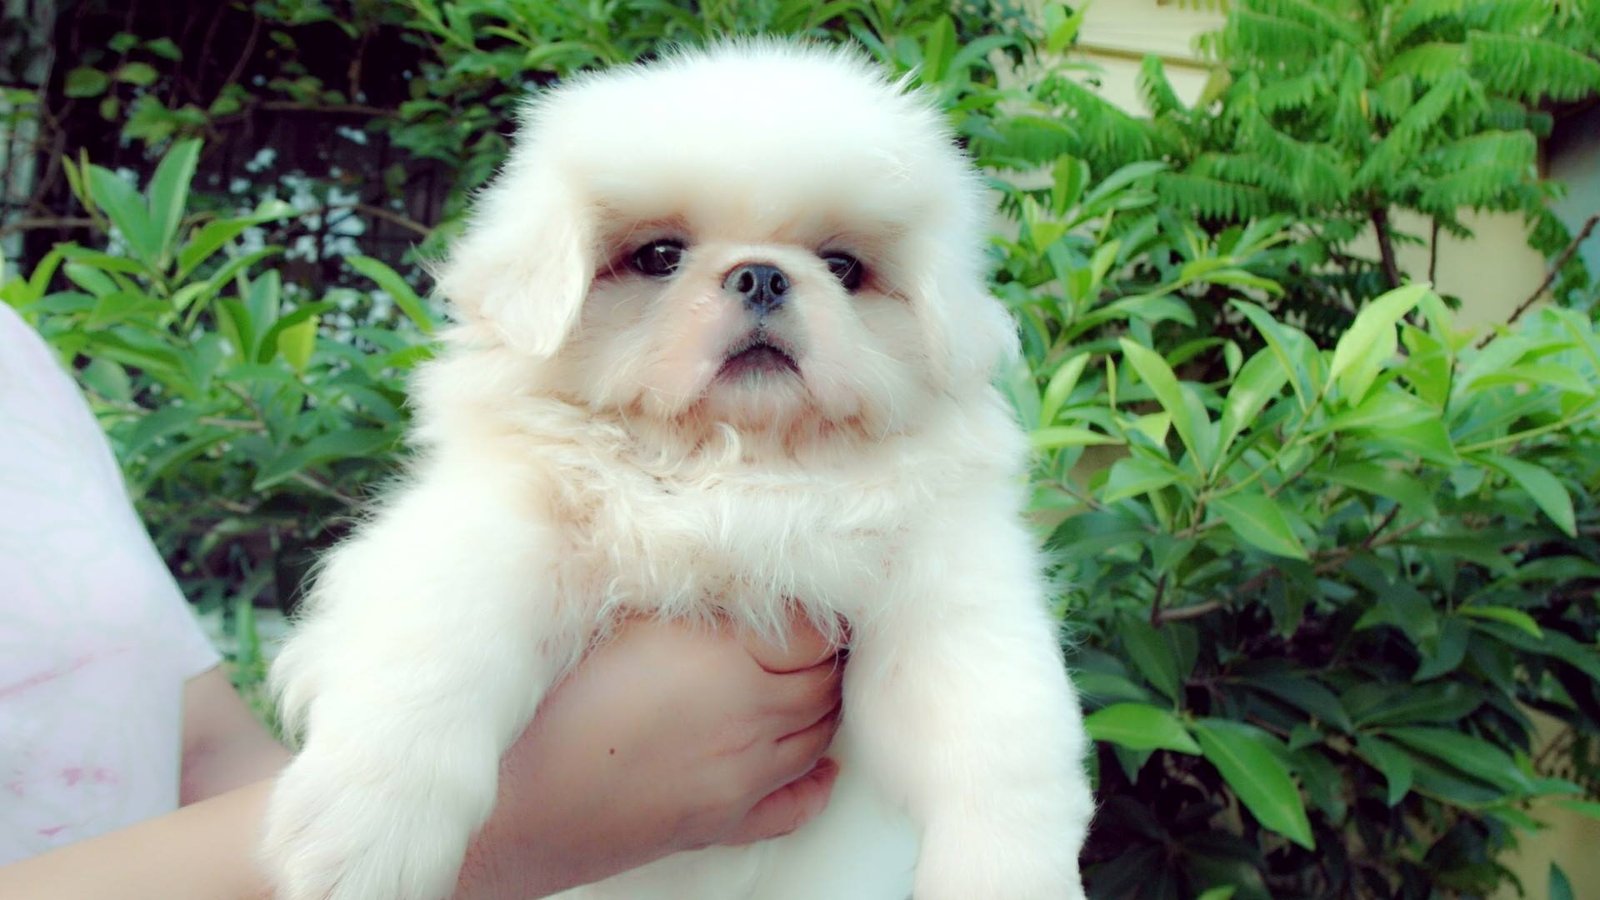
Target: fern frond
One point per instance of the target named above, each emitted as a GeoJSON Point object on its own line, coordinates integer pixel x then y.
{"type": "Point", "coordinates": [1505, 114]}
{"type": "Point", "coordinates": [1351, 117]}
{"type": "Point", "coordinates": [1506, 149]}
{"type": "Point", "coordinates": [1478, 188]}
{"type": "Point", "coordinates": [1334, 19]}
{"type": "Point", "coordinates": [1026, 141]}
{"type": "Point", "coordinates": [1453, 92]}
{"type": "Point", "coordinates": [1428, 62]}
{"type": "Point", "coordinates": [1313, 175]}
{"type": "Point", "coordinates": [1211, 198]}
{"type": "Point", "coordinates": [1269, 38]}
{"type": "Point", "coordinates": [1297, 93]}
{"type": "Point", "coordinates": [1507, 18]}
{"type": "Point", "coordinates": [1245, 170]}
{"type": "Point", "coordinates": [1107, 131]}
{"type": "Point", "coordinates": [1156, 89]}
{"type": "Point", "coordinates": [1419, 13]}
{"type": "Point", "coordinates": [1390, 99]}
{"type": "Point", "coordinates": [1530, 68]}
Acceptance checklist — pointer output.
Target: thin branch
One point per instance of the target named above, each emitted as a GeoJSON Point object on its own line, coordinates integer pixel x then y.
{"type": "Point", "coordinates": [1327, 561]}
{"type": "Point", "coordinates": [1433, 253]}
{"type": "Point", "coordinates": [1184, 613]}
{"type": "Point", "coordinates": [244, 55]}
{"type": "Point", "coordinates": [317, 484]}
{"type": "Point", "coordinates": [1155, 605]}
{"type": "Point", "coordinates": [33, 223]}
{"type": "Point", "coordinates": [388, 215]}
{"type": "Point", "coordinates": [355, 109]}
{"type": "Point", "coordinates": [1380, 226]}
{"type": "Point", "coordinates": [1550, 277]}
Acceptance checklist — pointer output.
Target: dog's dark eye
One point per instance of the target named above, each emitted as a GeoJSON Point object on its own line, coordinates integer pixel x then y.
{"type": "Point", "coordinates": [658, 259]}
{"type": "Point", "coordinates": [847, 269]}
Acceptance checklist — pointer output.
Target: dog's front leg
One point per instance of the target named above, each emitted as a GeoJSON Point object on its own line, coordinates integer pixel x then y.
{"type": "Point", "coordinates": [965, 709]}
{"type": "Point", "coordinates": [430, 639]}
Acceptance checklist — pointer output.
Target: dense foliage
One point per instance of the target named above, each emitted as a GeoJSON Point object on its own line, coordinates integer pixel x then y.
{"type": "Point", "coordinates": [1316, 576]}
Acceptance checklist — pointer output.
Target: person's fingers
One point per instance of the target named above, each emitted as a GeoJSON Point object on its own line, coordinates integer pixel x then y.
{"type": "Point", "coordinates": [798, 699]}
{"type": "Point", "coordinates": [790, 806]}
{"type": "Point", "coordinates": [804, 647]}
{"type": "Point", "coordinates": [797, 752]}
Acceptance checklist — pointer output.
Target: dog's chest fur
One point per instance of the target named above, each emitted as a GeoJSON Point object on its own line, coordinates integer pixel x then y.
{"type": "Point", "coordinates": [748, 541]}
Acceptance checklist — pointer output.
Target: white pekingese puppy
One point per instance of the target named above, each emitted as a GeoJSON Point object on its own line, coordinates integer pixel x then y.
{"type": "Point", "coordinates": [724, 346]}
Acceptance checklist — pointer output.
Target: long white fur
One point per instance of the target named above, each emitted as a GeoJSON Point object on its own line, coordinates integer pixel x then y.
{"type": "Point", "coordinates": [580, 458]}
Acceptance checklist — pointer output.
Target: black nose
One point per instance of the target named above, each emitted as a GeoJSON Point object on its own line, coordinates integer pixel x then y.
{"type": "Point", "coordinates": [763, 287]}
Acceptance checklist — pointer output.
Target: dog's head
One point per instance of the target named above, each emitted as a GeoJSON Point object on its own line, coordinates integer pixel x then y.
{"type": "Point", "coordinates": [760, 235]}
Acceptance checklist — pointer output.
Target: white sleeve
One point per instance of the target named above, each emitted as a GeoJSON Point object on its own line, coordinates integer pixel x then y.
{"type": "Point", "coordinates": [96, 640]}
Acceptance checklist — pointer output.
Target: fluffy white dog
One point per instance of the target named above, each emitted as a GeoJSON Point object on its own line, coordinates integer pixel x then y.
{"type": "Point", "coordinates": [724, 345]}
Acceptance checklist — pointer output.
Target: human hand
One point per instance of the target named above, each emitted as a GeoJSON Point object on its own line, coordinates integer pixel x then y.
{"type": "Point", "coordinates": [669, 737]}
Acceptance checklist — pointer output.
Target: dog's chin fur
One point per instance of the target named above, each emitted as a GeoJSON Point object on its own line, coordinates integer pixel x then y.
{"type": "Point", "coordinates": [591, 443]}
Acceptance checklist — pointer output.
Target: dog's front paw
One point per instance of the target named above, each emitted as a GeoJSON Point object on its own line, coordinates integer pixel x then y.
{"type": "Point", "coordinates": [970, 861]}
{"type": "Point", "coordinates": [350, 825]}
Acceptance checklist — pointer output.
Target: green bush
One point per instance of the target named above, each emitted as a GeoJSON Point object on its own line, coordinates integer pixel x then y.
{"type": "Point", "coordinates": [1316, 575]}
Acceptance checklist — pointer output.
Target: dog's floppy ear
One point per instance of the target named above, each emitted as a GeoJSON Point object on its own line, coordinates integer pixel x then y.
{"type": "Point", "coordinates": [525, 263]}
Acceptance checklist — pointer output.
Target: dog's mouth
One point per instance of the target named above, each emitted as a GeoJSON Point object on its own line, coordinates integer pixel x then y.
{"type": "Point", "coordinates": [758, 353]}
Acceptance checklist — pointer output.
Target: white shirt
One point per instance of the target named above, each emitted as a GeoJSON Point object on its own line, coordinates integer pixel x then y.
{"type": "Point", "coordinates": [96, 641]}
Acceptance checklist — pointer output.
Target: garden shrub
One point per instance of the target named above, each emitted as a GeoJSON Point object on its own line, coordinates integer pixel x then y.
{"type": "Point", "coordinates": [1316, 569]}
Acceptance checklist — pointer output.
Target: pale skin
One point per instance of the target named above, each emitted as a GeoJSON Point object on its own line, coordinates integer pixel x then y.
{"type": "Point", "coordinates": [670, 737]}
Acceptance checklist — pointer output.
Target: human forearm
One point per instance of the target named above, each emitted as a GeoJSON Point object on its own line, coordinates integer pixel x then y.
{"type": "Point", "coordinates": [206, 851]}
{"type": "Point", "coordinates": [203, 851]}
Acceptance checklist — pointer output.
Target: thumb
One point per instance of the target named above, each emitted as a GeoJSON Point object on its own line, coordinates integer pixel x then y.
{"type": "Point", "coordinates": [788, 807]}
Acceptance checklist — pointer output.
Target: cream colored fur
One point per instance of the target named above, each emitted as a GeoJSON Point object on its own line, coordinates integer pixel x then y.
{"type": "Point", "coordinates": [581, 455]}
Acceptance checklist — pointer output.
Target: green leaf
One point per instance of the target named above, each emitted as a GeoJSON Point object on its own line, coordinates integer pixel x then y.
{"type": "Point", "coordinates": [1069, 176]}
{"type": "Point", "coordinates": [1251, 761]}
{"type": "Point", "coordinates": [1545, 489]}
{"type": "Point", "coordinates": [1382, 481]}
{"type": "Point", "coordinates": [1153, 656]}
{"type": "Point", "coordinates": [126, 209]}
{"type": "Point", "coordinates": [107, 379]}
{"type": "Point", "coordinates": [1382, 411]}
{"type": "Point", "coordinates": [1284, 342]}
{"type": "Point", "coordinates": [1375, 704]}
{"type": "Point", "coordinates": [1560, 886]}
{"type": "Point", "coordinates": [1257, 384]}
{"type": "Point", "coordinates": [1587, 808]}
{"type": "Point", "coordinates": [1443, 652]}
{"type": "Point", "coordinates": [1058, 436]}
{"type": "Point", "coordinates": [1371, 341]}
{"type": "Point", "coordinates": [1427, 439]}
{"type": "Point", "coordinates": [1469, 755]}
{"type": "Point", "coordinates": [1092, 533]}
{"type": "Point", "coordinates": [1305, 694]}
{"type": "Point", "coordinates": [937, 50]}
{"type": "Point", "coordinates": [1560, 377]}
{"type": "Point", "coordinates": [85, 81]}
{"type": "Point", "coordinates": [1158, 376]}
{"type": "Point", "coordinates": [1135, 475]}
{"type": "Point", "coordinates": [164, 48]}
{"type": "Point", "coordinates": [1259, 521]}
{"type": "Point", "coordinates": [1516, 618]}
{"type": "Point", "coordinates": [1391, 761]}
{"type": "Point", "coordinates": [169, 191]}
{"type": "Point", "coordinates": [142, 74]}
{"type": "Point", "coordinates": [1140, 726]}
{"type": "Point", "coordinates": [358, 442]}
{"type": "Point", "coordinates": [297, 341]}
{"type": "Point", "coordinates": [395, 286]}
{"type": "Point", "coordinates": [1060, 387]}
